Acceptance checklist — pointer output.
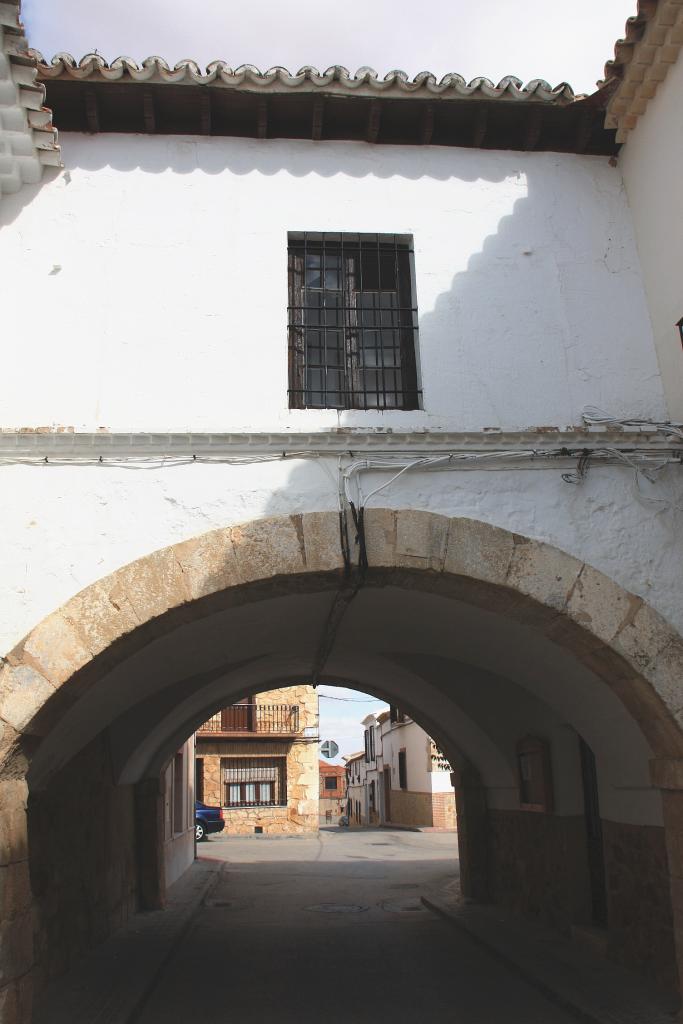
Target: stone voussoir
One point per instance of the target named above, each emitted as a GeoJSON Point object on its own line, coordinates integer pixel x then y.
{"type": "Point", "coordinates": [421, 539]}
{"type": "Point", "coordinates": [478, 551]}
{"type": "Point", "coordinates": [268, 547]}
{"type": "Point", "coordinates": [543, 573]}
{"type": "Point", "coordinates": [380, 536]}
{"type": "Point", "coordinates": [101, 613]}
{"type": "Point", "coordinates": [643, 636]}
{"type": "Point", "coordinates": [208, 563]}
{"type": "Point", "coordinates": [153, 585]}
{"type": "Point", "coordinates": [322, 541]}
{"type": "Point", "coordinates": [23, 693]}
{"type": "Point", "coordinates": [598, 604]}
{"type": "Point", "coordinates": [56, 648]}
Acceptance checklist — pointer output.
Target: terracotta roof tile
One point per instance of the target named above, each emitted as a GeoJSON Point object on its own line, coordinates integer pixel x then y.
{"type": "Point", "coordinates": [337, 78]}
{"type": "Point", "coordinates": [652, 41]}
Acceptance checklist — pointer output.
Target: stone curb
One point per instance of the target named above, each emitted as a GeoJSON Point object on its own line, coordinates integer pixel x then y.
{"type": "Point", "coordinates": [620, 1005]}
{"type": "Point", "coordinates": [113, 983]}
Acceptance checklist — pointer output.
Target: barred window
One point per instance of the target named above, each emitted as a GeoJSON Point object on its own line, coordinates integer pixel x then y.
{"type": "Point", "coordinates": [352, 322]}
{"type": "Point", "coordinates": [254, 781]}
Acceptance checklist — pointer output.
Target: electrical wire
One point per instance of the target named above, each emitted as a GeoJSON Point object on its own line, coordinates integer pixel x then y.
{"type": "Point", "coordinates": [352, 700]}
{"type": "Point", "coordinates": [594, 416]}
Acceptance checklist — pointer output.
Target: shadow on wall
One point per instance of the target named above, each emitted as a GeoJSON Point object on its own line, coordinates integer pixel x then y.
{"type": "Point", "coordinates": [299, 158]}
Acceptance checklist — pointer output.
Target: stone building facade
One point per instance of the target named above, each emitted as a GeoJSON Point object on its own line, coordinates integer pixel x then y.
{"type": "Point", "coordinates": [258, 760]}
{"type": "Point", "coordinates": [485, 533]}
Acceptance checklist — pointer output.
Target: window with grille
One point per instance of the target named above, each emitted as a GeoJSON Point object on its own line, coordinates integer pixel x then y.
{"type": "Point", "coordinates": [352, 322]}
{"type": "Point", "coordinates": [330, 782]}
{"type": "Point", "coordinates": [254, 781]}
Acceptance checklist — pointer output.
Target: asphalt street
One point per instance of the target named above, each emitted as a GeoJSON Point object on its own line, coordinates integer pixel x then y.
{"type": "Point", "coordinates": [332, 929]}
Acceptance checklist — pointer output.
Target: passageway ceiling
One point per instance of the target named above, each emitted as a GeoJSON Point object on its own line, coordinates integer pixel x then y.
{"type": "Point", "coordinates": [477, 680]}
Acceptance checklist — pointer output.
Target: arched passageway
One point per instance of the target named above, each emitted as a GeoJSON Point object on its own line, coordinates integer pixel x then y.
{"type": "Point", "coordinates": [498, 645]}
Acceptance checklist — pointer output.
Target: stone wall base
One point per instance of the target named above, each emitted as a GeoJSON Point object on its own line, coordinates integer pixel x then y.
{"type": "Point", "coordinates": [83, 860]}
{"type": "Point", "coordinates": [410, 808]}
{"type": "Point", "coordinates": [537, 865]}
{"type": "Point", "coordinates": [639, 915]}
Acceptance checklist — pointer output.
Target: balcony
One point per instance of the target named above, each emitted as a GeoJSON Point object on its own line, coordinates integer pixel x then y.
{"type": "Point", "coordinates": [253, 720]}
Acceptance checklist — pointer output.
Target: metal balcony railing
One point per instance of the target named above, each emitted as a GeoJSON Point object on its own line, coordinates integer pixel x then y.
{"type": "Point", "coordinates": [254, 719]}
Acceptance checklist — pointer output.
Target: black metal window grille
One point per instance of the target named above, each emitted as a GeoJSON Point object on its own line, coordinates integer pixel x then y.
{"type": "Point", "coordinates": [352, 322]}
{"type": "Point", "coordinates": [254, 781]}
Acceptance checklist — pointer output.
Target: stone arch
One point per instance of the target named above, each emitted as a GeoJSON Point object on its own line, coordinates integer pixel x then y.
{"type": "Point", "coordinates": [615, 635]}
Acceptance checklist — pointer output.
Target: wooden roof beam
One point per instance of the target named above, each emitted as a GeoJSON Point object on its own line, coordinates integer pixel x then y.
{"type": "Point", "coordinates": [149, 111]}
{"type": "Point", "coordinates": [317, 121]}
{"type": "Point", "coordinates": [205, 111]}
{"type": "Point", "coordinates": [427, 124]}
{"type": "Point", "coordinates": [374, 121]}
{"type": "Point", "coordinates": [584, 128]}
{"type": "Point", "coordinates": [92, 110]}
{"type": "Point", "coordinates": [533, 127]}
{"type": "Point", "coordinates": [481, 123]}
{"type": "Point", "coordinates": [262, 118]}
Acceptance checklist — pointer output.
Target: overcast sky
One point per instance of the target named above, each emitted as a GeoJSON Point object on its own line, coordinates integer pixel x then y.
{"type": "Point", "coordinates": [493, 38]}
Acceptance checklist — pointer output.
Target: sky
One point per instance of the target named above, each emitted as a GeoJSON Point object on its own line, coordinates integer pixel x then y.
{"type": "Point", "coordinates": [341, 712]}
{"type": "Point", "coordinates": [491, 38]}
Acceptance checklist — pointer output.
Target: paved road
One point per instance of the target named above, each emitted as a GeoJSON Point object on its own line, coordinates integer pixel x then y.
{"type": "Point", "coordinates": [332, 930]}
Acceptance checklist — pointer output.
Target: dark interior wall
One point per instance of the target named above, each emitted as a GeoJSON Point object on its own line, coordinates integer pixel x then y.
{"type": "Point", "coordinates": [639, 913]}
{"type": "Point", "coordinates": [538, 865]}
{"type": "Point", "coordinates": [82, 859]}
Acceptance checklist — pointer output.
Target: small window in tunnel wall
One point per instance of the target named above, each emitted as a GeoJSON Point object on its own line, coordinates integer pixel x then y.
{"type": "Point", "coordinates": [535, 775]}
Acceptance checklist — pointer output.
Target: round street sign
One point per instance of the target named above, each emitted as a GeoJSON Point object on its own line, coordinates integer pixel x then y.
{"type": "Point", "coordinates": [329, 748]}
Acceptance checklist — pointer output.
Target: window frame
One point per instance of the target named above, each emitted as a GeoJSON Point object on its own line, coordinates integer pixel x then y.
{"type": "Point", "coordinates": [277, 764]}
{"type": "Point", "coordinates": [350, 369]}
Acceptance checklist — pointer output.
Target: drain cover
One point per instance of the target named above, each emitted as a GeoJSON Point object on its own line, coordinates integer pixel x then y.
{"type": "Point", "coordinates": [336, 908]}
{"type": "Point", "coordinates": [405, 885]}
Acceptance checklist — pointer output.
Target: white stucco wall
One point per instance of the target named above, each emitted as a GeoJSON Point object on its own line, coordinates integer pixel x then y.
{"type": "Point", "coordinates": [410, 736]}
{"type": "Point", "coordinates": [64, 527]}
{"type": "Point", "coordinates": [179, 845]}
{"type": "Point", "coordinates": [154, 270]}
{"type": "Point", "coordinates": [651, 162]}
{"type": "Point", "coordinates": [152, 273]}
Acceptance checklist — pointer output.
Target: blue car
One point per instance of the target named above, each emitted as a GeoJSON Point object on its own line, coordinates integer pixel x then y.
{"type": "Point", "coordinates": [207, 820]}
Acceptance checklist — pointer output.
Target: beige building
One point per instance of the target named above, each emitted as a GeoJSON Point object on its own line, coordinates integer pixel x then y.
{"type": "Point", "coordinates": [258, 760]}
